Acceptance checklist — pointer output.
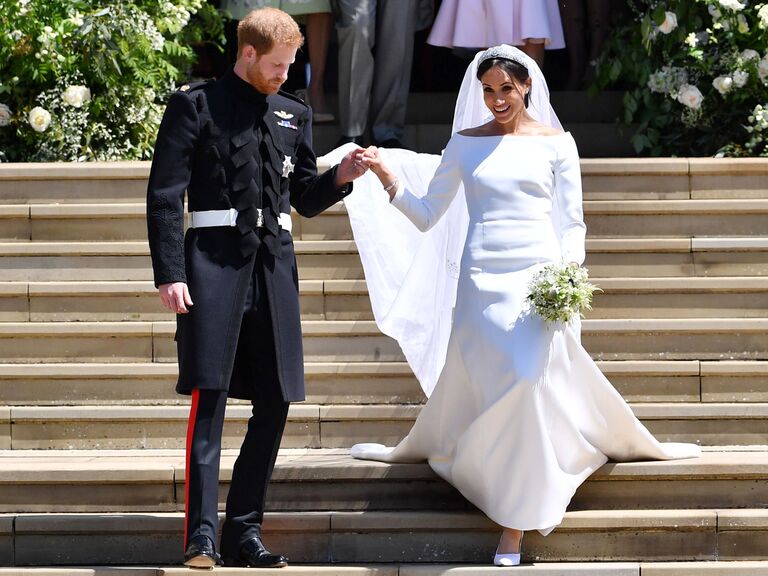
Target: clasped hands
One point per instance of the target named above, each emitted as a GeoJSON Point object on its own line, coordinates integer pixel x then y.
{"type": "Point", "coordinates": [359, 161]}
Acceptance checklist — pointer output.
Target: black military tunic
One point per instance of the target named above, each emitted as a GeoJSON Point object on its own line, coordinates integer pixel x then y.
{"type": "Point", "coordinates": [230, 146]}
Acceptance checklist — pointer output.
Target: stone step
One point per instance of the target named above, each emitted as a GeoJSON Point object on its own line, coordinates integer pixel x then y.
{"type": "Point", "coordinates": [603, 179]}
{"type": "Point", "coordinates": [127, 221]}
{"type": "Point", "coordinates": [330, 426]}
{"type": "Point", "coordinates": [151, 480]}
{"type": "Point", "coordinates": [703, 297]}
{"type": "Point", "coordinates": [339, 260]}
{"type": "Point", "coordinates": [367, 382]}
{"type": "Point", "coordinates": [706, 568]}
{"type": "Point", "coordinates": [396, 537]}
{"type": "Point", "coordinates": [361, 341]}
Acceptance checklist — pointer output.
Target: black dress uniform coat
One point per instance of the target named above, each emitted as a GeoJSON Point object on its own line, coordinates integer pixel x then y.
{"type": "Point", "coordinates": [229, 146]}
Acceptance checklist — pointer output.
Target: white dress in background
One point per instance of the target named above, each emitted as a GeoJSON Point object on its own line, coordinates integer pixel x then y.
{"type": "Point", "coordinates": [483, 23]}
{"type": "Point", "coordinates": [520, 415]}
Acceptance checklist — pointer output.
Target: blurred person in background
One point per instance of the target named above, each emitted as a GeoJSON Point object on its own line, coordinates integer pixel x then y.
{"type": "Point", "coordinates": [531, 25]}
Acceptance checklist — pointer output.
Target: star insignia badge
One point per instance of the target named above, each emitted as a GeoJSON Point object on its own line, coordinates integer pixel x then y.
{"type": "Point", "coordinates": [283, 114]}
{"type": "Point", "coordinates": [287, 166]}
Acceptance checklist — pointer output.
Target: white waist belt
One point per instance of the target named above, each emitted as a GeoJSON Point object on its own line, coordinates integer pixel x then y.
{"type": "Point", "coordinates": [211, 218]}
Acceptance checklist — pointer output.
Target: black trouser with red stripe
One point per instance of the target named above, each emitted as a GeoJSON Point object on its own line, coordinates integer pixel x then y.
{"type": "Point", "coordinates": [254, 465]}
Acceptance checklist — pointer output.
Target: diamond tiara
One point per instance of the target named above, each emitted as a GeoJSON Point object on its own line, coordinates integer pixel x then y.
{"type": "Point", "coordinates": [507, 52]}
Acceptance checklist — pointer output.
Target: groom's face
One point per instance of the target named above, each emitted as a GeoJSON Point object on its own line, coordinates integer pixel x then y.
{"type": "Point", "coordinates": [267, 72]}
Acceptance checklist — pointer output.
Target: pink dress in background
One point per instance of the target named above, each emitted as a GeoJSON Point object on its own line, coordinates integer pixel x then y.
{"type": "Point", "coordinates": [484, 23]}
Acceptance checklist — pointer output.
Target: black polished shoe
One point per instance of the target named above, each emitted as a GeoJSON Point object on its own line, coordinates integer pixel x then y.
{"type": "Point", "coordinates": [253, 554]}
{"type": "Point", "coordinates": [347, 139]}
{"type": "Point", "coordinates": [200, 553]}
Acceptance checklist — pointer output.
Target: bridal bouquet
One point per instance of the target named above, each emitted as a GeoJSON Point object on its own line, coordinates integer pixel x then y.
{"type": "Point", "coordinates": [560, 291]}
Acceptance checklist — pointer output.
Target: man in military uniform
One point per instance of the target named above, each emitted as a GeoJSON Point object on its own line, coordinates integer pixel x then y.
{"type": "Point", "coordinates": [242, 151]}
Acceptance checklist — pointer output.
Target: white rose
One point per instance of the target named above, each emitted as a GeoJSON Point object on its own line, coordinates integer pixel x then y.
{"type": "Point", "coordinates": [750, 54]}
{"type": "Point", "coordinates": [762, 14]}
{"type": "Point", "coordinates": [723, 84]}
{"type": "Point", "coordinates": [690, 96]}
{"type": "Point", "coordinates": [743, 24]}
{"type": "Point", "coordinates": [734, 5]}
{"type": "Point", "coordinates": [5, 115]}
{"type": "Point", "coordinates": [669, 24]}
{"type": "Point", "coordinates": [39, 119]}
{"type": "Point", "coordinates": [762, 68]}
{"type": "Point", "coordinates": [76, 96]}
{"type": "Point", "coordinates": [740, 78]}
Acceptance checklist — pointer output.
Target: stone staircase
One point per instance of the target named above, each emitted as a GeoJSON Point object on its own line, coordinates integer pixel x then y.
{"type": "Point", "coordinates": [91, 466]}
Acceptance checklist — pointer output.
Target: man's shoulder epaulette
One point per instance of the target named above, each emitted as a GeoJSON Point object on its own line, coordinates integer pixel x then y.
{"type": "Point", "coordinates": [293, 98]}
{"type": "Point", "coordinates": [193, 86]}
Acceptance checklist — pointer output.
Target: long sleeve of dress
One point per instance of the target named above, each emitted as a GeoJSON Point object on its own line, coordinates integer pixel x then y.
{"type": "Point", "coordinates": [569, 202]}
{"type": "Point", "coordinates": [424, 212]}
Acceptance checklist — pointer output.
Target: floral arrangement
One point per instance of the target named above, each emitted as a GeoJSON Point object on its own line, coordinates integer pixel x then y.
{"type": "Point", "coordinates": [696, 74]}
{"type": "Point", "coordinates": [86, 79]}
{"type": "Point", "coordinates": [558, 292]}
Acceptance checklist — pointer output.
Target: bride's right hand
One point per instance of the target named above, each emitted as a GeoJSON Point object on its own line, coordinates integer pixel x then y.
{"type": "Point", "coordinates": [372, 159]}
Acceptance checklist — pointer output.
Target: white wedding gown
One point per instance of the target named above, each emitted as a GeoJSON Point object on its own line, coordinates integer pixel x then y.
{"type": "Point", "coordinates": [520, 415]}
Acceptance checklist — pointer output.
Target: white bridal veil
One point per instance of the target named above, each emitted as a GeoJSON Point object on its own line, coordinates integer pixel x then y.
{"type": "Point", "coordinates": [411, 275]}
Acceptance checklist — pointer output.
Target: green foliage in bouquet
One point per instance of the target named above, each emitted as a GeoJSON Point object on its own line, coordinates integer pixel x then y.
{"type": "Point", "coordinates": [696, 74]}
{"type": "Point", "coordinates": [86, 79]}
{"type": "Point", "coordinates": [558, 292]}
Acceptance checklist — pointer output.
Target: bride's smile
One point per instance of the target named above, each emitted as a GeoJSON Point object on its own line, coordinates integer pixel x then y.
{"type": "Point", "coordinates": [504, 95]}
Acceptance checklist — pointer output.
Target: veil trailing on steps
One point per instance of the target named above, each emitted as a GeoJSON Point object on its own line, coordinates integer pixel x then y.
{"type": "Point", "coordinates": [411, 275]}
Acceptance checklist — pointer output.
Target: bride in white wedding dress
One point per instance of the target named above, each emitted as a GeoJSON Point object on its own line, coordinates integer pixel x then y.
{"type": "Point", "coordinates": [520, 415]}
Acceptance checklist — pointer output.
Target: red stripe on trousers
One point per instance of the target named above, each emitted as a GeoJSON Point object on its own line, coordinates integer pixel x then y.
{"type": "Point", "coordinates": [190, 435]}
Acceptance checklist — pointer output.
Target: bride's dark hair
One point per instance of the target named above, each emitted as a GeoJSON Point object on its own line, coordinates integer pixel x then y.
{"type": "Point", "coordinates": [514, 69]}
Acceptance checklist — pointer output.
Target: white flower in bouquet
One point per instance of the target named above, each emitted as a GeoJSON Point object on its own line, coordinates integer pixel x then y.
{"type": "Point", "coordinates": [749, 55]}
{"type": "Point", "coordinates": [762, 15]}
{"type": "Point", "coordinates": [743, 24]}
{"type": "Point", "coordinates": [740, 78]}
{"type": "Point", "coordinates": [723, 84]}
{"type": "Point", "coordinates": [76, 96]}
{"type": "Point", "coordinates": [39, 119]}
{"type": "Point", "coordinates": [690, 96]}
{"type": "Point", "coordinates": [669, 24]}
{"type": "Point", "coordinates": [667, 80]}
{"type": "Point", "coordinates": [759, 118]}
{"type": "Point", "coordinates": [762, 68]}
{"type": "Point", "coordinates": [692, 40]}
{"type": "Point", "coordinates": [714, 12]}
{"type": "Point", "coordinates": [734, 5]}
{"type": "Point", "coordinates": [5, 115]}
{"type": "Point", "coordinates": [558, 292]}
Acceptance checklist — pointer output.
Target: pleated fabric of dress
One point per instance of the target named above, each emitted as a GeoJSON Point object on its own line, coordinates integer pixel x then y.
{"type": "Point", "coordinates": [485, 23]}
{"type": "Point", "coordinates": [520, 415]}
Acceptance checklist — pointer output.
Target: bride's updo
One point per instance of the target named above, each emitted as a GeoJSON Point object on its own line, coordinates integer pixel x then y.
{"type": "Point", "coordinates": [511, 67]}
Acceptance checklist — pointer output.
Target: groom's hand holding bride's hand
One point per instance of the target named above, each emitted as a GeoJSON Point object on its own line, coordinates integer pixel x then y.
{"type": "Point", "coordinates": [351, 167]}
{"type": "Point", "coordinates": [388, 179]}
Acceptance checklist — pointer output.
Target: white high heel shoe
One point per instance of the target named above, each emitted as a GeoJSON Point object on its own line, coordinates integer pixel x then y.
{"type": "Point", "coordinates": [506, 560]}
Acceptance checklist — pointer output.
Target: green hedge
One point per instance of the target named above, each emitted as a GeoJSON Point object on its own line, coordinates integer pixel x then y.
{"type": "Point", "coordinates": [86, 79]}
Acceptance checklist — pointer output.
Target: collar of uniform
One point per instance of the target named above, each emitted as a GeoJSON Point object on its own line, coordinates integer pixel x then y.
{"type": "Point", "coordinates": [243, 89]}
